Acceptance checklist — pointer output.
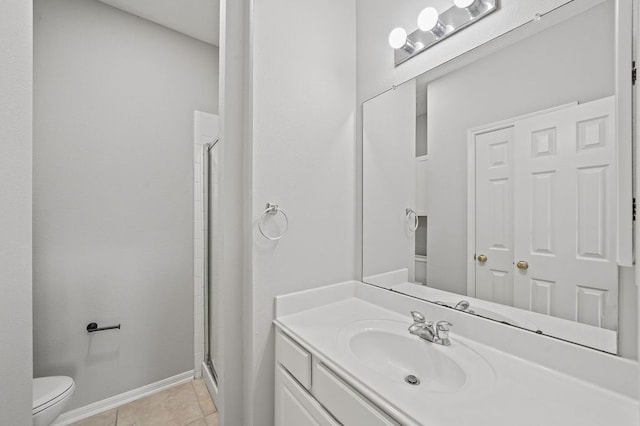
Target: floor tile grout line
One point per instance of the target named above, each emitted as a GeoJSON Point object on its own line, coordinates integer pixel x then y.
{"type": "Point", "coordinates": [200, 405]}
{"type": "Point", "coordinates": [195, 392]}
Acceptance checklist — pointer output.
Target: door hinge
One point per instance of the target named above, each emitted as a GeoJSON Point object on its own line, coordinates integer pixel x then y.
{"type": "Point", "coordinates": [633, 213]}
{"type": "Point", "coordinates": [634, 73]}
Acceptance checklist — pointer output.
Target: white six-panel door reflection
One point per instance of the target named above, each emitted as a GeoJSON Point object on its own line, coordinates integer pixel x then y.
{"type": "Point", "coordinates": [565, 198]}
{"type": "Point", "coordinates": [546, 214]}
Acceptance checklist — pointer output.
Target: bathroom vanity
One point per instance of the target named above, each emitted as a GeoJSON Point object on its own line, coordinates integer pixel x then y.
{"type": "Point", "coordinates": [496, 196]}
{"type": "Point", "coordinates": [344, 356]}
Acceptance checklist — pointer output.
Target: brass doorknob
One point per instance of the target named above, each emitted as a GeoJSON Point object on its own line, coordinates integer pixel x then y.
{"type": "Point", "coordinates": [522, 264]}
{"type": "Point", "coordinates": [482, 258]}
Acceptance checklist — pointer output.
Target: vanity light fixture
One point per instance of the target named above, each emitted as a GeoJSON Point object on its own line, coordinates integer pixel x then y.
{"type": "Point", "coordinates": [433, 27]}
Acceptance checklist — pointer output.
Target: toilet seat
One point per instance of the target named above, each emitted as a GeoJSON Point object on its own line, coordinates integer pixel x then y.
{"type": "Point", "coordinates": [48, 391]}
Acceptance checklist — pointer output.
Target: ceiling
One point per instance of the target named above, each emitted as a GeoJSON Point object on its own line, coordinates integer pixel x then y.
{"type": "Point", "coordinates": [199, 19]}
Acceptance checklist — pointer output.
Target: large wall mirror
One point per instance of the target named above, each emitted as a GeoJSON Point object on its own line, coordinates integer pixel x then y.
{"type": "Point", "coordinates": [500, 183]}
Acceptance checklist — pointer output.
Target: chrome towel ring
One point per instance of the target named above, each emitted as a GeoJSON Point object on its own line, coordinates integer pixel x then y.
{"type": "Point", "coordinates": [273, 209]}
{"type": "Point", "coordinates": [412, 222]}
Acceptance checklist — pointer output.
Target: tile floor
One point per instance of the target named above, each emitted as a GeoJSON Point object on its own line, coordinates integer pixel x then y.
{"type": "Point", "coordinates": [188, 404]}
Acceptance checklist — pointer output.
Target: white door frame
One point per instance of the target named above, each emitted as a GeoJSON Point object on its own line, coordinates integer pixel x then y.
{"type": "Point", "coordinates": [624, 130]}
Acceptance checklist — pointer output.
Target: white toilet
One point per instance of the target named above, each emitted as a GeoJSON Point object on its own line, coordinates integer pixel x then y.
{"type": "Point", "coordinates": [51, 396]}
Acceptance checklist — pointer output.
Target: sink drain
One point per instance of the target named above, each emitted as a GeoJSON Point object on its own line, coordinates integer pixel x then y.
{"type": "Point", "coordinates": [412, 380]}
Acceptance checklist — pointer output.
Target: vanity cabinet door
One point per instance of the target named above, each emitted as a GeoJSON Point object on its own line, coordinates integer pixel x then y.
{"type": "Point", "coordinates": [294, 406]}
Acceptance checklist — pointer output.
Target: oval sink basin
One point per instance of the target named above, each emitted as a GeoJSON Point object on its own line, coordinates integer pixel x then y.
{"type": "Point", "coordinates": [400, 356]}
{"type": "Point", "coordinates": [386, 348]}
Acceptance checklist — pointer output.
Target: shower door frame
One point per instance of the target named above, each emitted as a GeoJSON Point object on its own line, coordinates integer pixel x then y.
{"type": "Point", "coordinates": [206, 238]}
{"type": "Point", "coordinates": [205, 133]}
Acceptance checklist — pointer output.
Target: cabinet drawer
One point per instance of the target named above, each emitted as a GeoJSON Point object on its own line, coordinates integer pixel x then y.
{"type": "Point", "coordinates": [294, 358]}
{"type": "Point", "coordinates": [343, 402]}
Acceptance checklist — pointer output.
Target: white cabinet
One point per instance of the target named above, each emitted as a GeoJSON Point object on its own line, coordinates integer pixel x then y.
{"type": "Point", "coordinates": [307, 392]}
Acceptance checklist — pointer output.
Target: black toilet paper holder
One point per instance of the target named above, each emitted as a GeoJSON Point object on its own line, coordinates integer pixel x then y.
{"type": "Point", "coordinates": [93, 327]}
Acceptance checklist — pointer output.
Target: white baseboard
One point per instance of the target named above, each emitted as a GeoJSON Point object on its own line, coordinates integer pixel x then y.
{"type": "Point", "coordinates": [123, 398]}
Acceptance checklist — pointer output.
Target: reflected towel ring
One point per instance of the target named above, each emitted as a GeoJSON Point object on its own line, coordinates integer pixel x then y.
{"type": "Point", "coordinates": [412, 226]}
{"type": "Point", "coordinates": [273, 209]}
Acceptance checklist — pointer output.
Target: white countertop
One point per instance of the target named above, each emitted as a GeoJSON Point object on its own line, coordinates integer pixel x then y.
{"type": "Point", "coordinates": [523, 393]}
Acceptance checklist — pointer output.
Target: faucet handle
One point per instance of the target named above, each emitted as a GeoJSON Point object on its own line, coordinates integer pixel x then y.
{"type": "Point", "coordinates": [443, 326]}
{"type": "Point", "coordinates": [442, 331]}
{"type": "Point", "coordinates": [418, 317]}
{"type": "Point", "coordinates": [462, 305]}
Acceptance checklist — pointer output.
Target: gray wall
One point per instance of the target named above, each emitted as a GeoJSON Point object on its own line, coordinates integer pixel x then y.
{"type": "Point", "coordinates": [15, 212]}
{"type": "Point", "coordinates": [113, 197]}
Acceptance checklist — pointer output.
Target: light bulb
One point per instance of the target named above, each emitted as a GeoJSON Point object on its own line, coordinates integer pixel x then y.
{"type": "Point", "coordinates": [463, 4]}
{"type": "Point", "coordinates": [398, 38]}
{"type": "Point", "coordinates": [428, 19]}
{"type": "Point", "coordinates": [473, 7]}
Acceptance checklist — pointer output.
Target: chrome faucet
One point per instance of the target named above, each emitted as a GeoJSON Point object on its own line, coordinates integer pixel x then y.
{"type": "Point", "coordinates": [463, 305]}
{"type": "Point", "coordinates": [425, 330]}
